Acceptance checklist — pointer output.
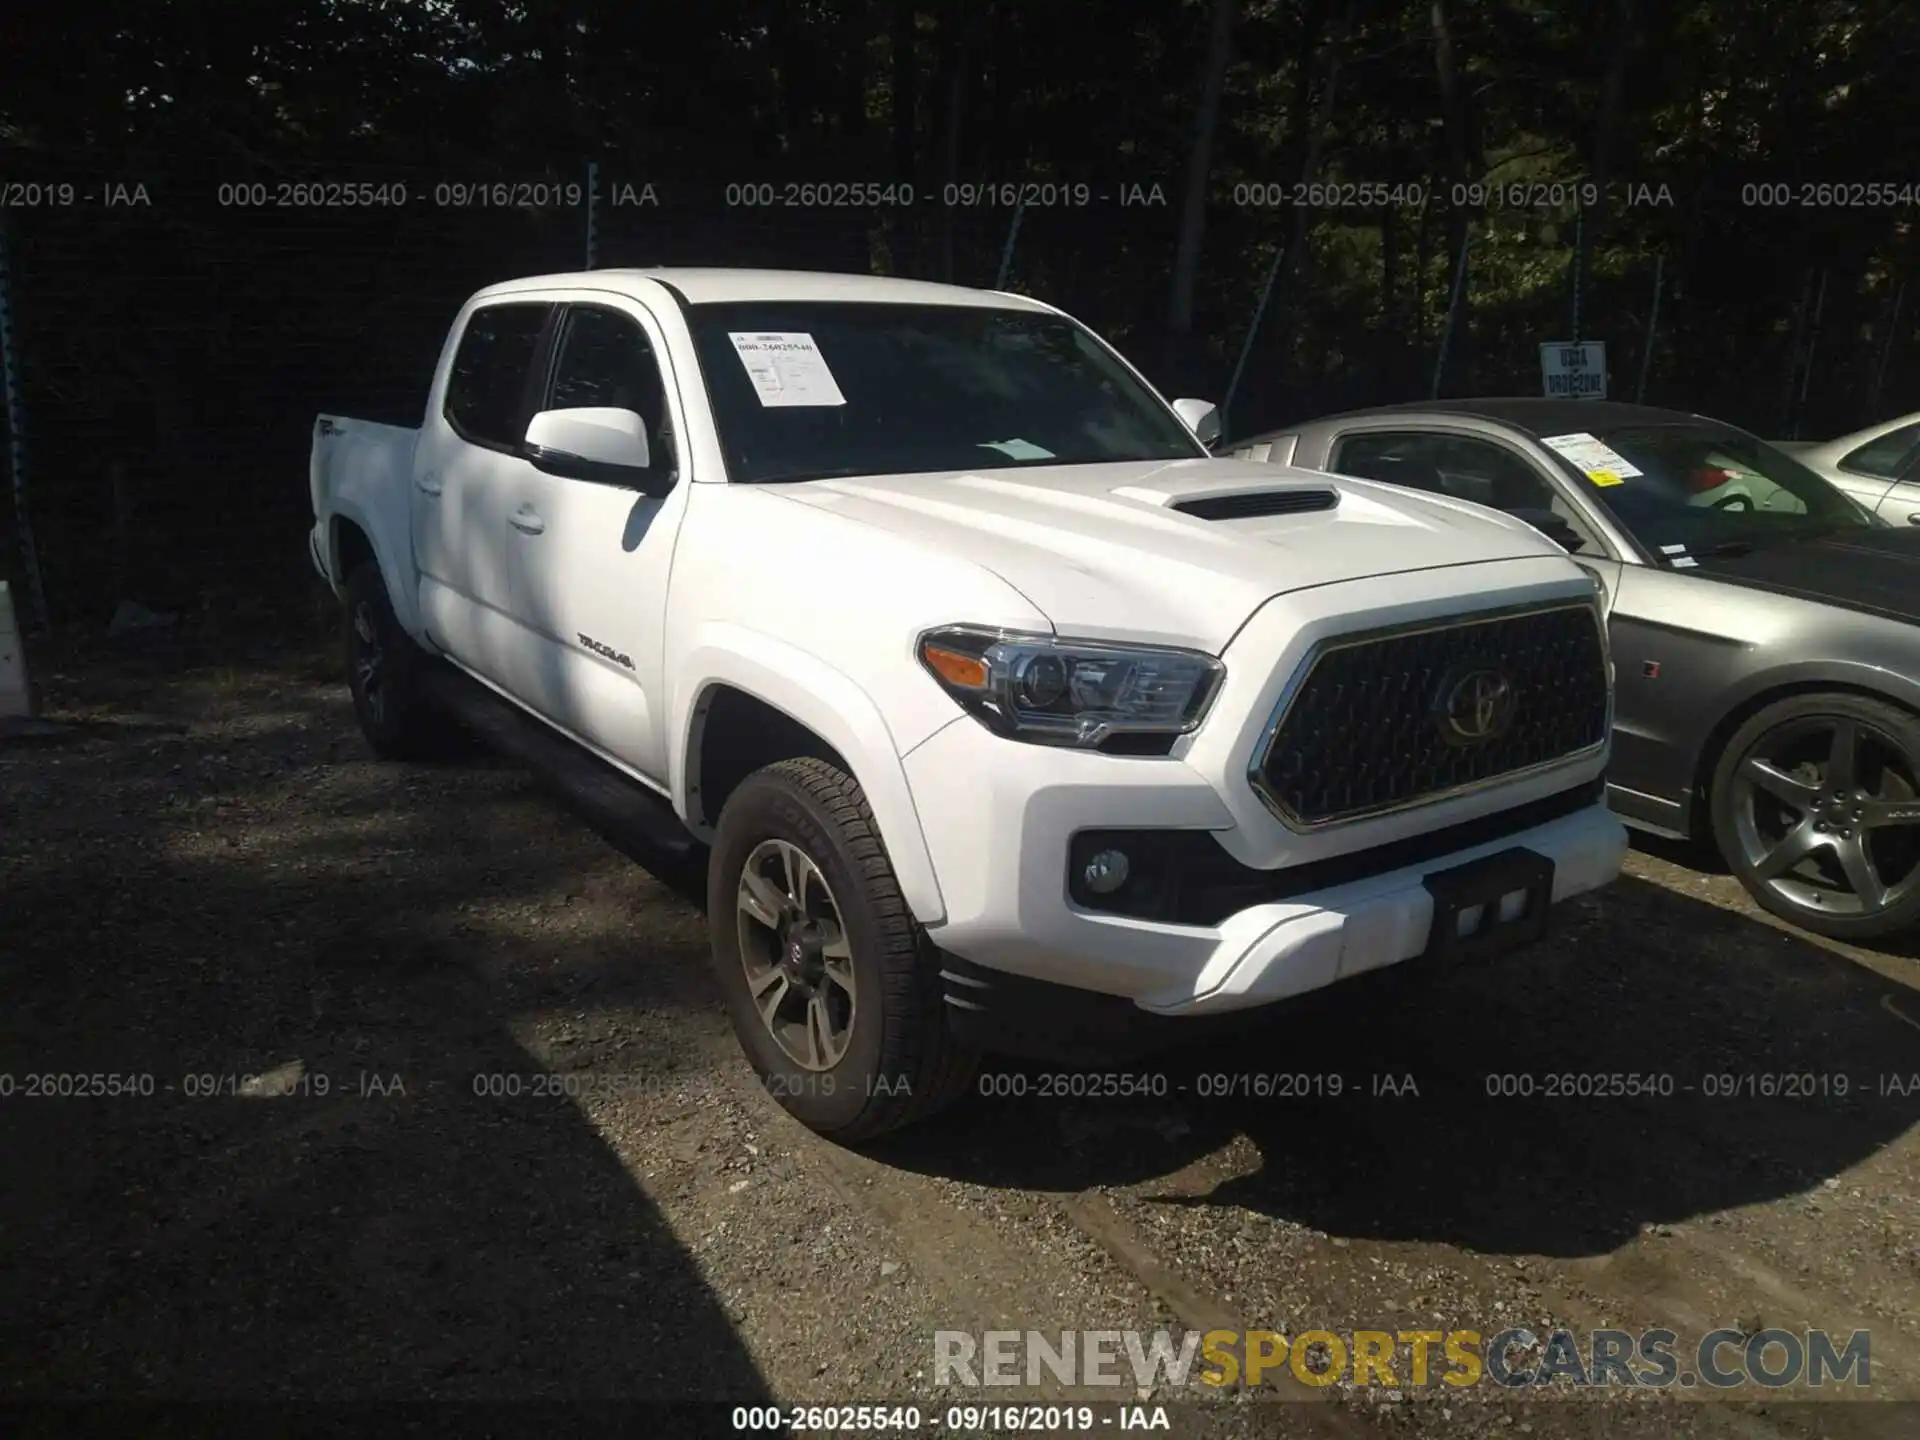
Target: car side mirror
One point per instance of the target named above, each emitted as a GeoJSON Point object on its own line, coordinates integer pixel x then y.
{"type": "Point", "coordinates": [593, 442]}
{"type": "Point", "coordinates": [1551, 525]}
{"type": "Point", "coordinates": [1200, 416]}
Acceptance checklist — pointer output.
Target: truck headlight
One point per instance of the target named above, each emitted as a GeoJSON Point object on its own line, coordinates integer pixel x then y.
{"type": "Point", "coordinates": [1069, 692]}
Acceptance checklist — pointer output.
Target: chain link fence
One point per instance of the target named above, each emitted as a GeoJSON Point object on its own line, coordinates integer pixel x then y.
{"type": "Point", "coordinates": [172, 337]}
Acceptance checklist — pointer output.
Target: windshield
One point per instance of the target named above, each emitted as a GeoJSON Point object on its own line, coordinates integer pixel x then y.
{"type": "Point", "coordinates": [809, 390]}
{"type": "Point", "coordinates": [1682, 489]}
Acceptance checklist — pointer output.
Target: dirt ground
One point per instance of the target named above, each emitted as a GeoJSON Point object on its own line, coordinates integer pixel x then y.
{"type": "Point", "coordinates": [507, 1150]}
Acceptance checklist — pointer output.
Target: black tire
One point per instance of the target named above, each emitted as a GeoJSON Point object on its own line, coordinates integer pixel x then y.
{"type": "Point", "coordinates": [386, 673]}
{"type": "Point", "coordinates": [1778, 780]}
{"type": "Point", "coordinates": [899, 1062]}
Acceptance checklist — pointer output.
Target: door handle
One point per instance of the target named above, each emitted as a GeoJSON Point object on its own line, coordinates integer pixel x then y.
{"type": "Point", "coordinates": [1913, 517]}
{"type": "Point", "coordinates": [527, 522]}
{"type": "Point", "coordinates": [429, 484]}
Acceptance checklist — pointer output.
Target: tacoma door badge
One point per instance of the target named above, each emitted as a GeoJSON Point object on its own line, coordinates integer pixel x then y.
{"type": "Point", "coordinates": [607, 650]}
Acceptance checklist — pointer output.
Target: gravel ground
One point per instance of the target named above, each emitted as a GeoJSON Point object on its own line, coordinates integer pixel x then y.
{"type": "Point", "coordinates": [505, 1148]}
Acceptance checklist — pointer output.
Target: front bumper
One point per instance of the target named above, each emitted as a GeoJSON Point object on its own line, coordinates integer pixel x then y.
{"type": "Point", "coordinates": [999, 818]}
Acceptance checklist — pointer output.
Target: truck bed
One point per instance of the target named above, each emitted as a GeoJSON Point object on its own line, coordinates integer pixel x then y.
{"type": "Point", "coordinates": [356, 466]}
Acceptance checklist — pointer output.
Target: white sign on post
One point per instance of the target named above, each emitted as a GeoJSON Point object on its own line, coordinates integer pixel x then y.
{"type": "Point", "coordinates": [1574, 372]}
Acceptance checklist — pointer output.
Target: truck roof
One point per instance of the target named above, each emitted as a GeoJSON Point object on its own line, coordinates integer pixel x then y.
{"type": "Point", "coordinates": [710, 285]}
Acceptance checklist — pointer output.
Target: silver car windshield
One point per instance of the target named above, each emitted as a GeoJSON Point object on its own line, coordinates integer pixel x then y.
{"type": "Point", "coordinates": [1682, 489]}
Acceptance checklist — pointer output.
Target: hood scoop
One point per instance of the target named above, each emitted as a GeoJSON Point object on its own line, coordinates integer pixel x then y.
{"type": "Point", "coordinates": [1254, 504]}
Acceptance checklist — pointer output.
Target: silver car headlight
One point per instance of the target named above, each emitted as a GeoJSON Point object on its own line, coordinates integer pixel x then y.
{"type": "Point", "coordinates": [1054, 691]}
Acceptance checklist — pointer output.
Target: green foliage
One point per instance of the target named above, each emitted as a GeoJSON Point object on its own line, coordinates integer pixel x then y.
{"type": "Point", "coordinates": [1698, 103]}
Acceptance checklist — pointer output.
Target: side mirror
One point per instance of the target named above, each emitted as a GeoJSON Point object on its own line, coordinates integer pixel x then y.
{"type": "Point", "coordinates": [592, 442]}
{"type": "Point", "coordinates": [1201, 417]}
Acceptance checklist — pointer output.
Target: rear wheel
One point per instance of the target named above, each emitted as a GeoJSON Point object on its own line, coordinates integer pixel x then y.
{"type": "Point", "coordinates": [833, 989]}
{"type": "Point", "coordinates": [1816, 809]}
{"type": "Point", "coordinates": [386, 671]}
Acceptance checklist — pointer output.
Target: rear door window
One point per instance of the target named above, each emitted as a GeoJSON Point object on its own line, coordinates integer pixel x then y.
{"type": "Point", "coordinates": [1462, 466]}
{"type": "Point", "coordinates": [1465, 467]}
{"type": "Point", "coordinates": [1885, 456]}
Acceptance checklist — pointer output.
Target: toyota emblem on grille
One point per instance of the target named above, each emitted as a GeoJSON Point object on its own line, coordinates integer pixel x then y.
{"type": "Point", "coordinates": [1475, 707]}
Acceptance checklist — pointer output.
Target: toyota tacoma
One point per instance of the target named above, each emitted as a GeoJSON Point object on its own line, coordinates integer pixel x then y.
{"type": "Point", "coordinates": [999, 712]}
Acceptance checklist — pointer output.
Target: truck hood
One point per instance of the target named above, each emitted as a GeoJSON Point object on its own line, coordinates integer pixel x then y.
{"type": "Point", "coordinates": [1100, 550]}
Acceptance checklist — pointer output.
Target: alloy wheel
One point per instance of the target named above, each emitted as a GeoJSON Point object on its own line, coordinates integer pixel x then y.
{"type": "Point", "coordinates": [1826, 815]}
{"type": "Point", "coordinates": [797, 957]}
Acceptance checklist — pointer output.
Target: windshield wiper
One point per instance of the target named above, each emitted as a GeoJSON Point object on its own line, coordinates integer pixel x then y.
{"type": "Point", "coordinates": [1747, 544]}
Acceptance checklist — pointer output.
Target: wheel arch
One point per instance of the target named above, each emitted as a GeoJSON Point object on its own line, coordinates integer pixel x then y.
{"type": "Point", "coordinates": [750, 700]}
{"type": "Point", "coordinates": [352, 537]}
{"type": "Point", "coordinates": [1699, 823]}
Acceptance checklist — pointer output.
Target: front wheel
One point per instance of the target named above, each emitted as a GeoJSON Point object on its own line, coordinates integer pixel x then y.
{"type": "Point", "coordinates": [1816, 809]}
{"type": "Point", "coordinates": [833, 989]}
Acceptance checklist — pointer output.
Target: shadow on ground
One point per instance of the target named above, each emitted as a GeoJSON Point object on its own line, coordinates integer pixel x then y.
{"type": "Point", "coordinates": [1679, 999]}
{"type": "Point", "coordinates": [1698, 855]}
{"type": "Point", "coordinates": [232, 889]}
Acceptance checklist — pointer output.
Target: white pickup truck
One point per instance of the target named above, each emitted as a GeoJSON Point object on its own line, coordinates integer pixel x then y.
{"type": "Point", "coordinates": [1001, 713]}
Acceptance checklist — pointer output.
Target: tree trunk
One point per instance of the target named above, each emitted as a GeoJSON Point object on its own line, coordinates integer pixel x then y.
{"type": "Point", "coordinates": [1393, 333]}
{"type": "Point", "coordinates": [1313, 144]}
{"type": "Point", "coordinates": [1322, 119]}
{"type": "Point", "coordinates": [955, 61]}
{"type": "Point", "coordinates": [1613, 84]}
{"type": "Point", "coordinates": [1313, 24]}
{"type": "Point", "coordinates": [996, 132]}
{"type": "Point", "coordinates": [557, 113]}
{"type": "Point", "coordinates": [794, 64]}
{"type": "Point", "coordinates": [856, 24]}
{"type": "Point", "coordinates": [1464, 165]}
{"type": "Point", "coordinates": [1422, 254]}
{"type": "Point", "coordinates": [904, 67]}
{"type": "Point", "coordinates": [1193, 209]}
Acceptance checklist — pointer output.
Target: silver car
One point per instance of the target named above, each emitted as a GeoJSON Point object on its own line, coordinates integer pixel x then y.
{"type": "Point", "coordinates": [1879, 466]}
{"type": "Point", "coordinates": [1764, 629]}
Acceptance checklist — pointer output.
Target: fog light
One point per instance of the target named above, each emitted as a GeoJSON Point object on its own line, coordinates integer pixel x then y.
{"type": "Point", "coordinates": [1106, 872]}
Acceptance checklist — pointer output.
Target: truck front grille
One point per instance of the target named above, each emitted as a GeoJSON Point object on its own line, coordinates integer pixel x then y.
{"type": "Point", "coordinates": [1384, 721]}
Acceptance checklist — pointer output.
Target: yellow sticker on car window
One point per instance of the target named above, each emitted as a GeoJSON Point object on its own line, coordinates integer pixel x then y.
{"type": "Point", "coordinates": [1604, 477]}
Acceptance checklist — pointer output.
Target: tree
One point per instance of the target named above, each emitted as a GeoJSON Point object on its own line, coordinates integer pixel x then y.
{"type": "Point", "coordinates": [1193, 207]}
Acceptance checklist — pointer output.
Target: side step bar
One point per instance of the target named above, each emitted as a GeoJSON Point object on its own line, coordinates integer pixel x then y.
{"type": "Point", "coordinates": [629, 815]}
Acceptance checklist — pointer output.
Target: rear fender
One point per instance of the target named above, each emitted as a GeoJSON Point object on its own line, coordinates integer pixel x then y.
{"type": "Point", "coordinates": [397, 571]}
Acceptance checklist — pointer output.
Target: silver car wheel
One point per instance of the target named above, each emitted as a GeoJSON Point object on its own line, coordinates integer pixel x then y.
{"type": "Point", "coordinates": [798, 960]}
{"type": "Point", "coordinates": [1826, 813]}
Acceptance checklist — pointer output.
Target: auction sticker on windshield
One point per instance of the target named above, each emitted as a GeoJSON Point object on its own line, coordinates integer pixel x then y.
{"type": "Point", "coordinates": [1594, 458]}
{"type": "Point", "coordinates": [786, 368]}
